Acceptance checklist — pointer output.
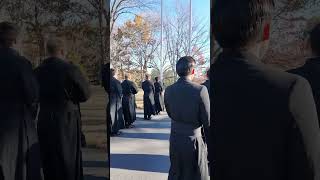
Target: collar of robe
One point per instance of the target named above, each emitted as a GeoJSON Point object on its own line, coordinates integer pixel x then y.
{"type": "Point", "coordinates": [184, 79]}
{"type": "Point", "coordinates": [236, 55]}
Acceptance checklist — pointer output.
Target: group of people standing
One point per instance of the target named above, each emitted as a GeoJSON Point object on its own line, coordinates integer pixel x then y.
{"type": "Point", "coordinates": [122, 101]}
{"type": "Point", "coordinates": [40, 114]}
{"type": "Point", "coordinates": [263, 123]}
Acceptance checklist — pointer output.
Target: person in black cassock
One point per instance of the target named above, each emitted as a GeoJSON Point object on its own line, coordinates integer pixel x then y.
{"type": "Point", "coordinates": [105, 80]}
{"type": "Point", "coordinates": [264, 121]}
{"type": "Point", "coordinates": [207, 82]}
{"type": "Point", "coordinates": [129, 89]}
{"type": "Point", "coordinates": [311, 69]}
{"type": "Point", "coordinates": [158, 99]}
{"type": "Point", "coordinates": [188, 106]}
{"type": "Point", "coordinates": [116, 113]}
{"type": "Point", "coordinates": [148, 98]}
{"type": "Point", "coordinates": [19, 148]}
{"type": "Point", "coordinates": [83, 137]}
{"type": "Point", "coordinates": [62, 88]}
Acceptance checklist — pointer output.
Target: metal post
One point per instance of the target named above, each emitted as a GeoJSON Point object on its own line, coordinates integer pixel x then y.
{"type": "Point", "coordinates": [190, 26]}
{"type": "Point", "coordinates": [161, 45]}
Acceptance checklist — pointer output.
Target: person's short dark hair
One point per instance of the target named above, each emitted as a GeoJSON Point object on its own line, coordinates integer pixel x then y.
{"type": "Point", "coordinates": [185, 65]}
{"type": "Point", "coordinates": [54, 45]}
{"type": "Point", "coordinates": [8, 33]}
{"type": "Point", "coordinates": [147, 76]}
{"type": "Point", "coordinates": [156, 78]}
{"type": "Point", "coordinates": [315, 39]}
{"type": "Point", "coordinates": [236, 23]}
{"type": "Point", "coordinates": [112, 72]}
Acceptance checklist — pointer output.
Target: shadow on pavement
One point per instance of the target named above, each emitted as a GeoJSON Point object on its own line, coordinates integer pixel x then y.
{"type": "Point", "coordinates": [157, 136]}
{"type": "Point", "coordinates": [89, 177]}
{"type": "Point", "coordinates": [100, 164]}
{"type": "Point", "coordinates": [163, 124]}
{"type": "Point", "coordinates": [141, 162]}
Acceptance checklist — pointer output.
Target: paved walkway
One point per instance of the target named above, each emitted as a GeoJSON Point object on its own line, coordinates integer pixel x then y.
{"type": "Point", "coordinates": [142, 153]}
{"type": "Point", "coordinates": [95, 165]}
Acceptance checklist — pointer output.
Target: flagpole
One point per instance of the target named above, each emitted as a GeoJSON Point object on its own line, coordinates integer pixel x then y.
{"type": "Point", "coordinates": [161, 45]}
{"type": "Point", "coordinates": [190, 26]}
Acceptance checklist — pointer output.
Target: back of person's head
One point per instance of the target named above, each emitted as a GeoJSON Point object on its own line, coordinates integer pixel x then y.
{"type": "Point", "coordinates": [315, 40]}
{"type": "Point", "coordinates": [8, 34]}
{"type": "Point", "coordinates": [237, 24]}
{"type": "Point", "coordinates": [113, 72]}
{"type": "Point", "coordinates": [55, 46]}
{"type": "Point", "coordinates": [185, 66]}
{"type": "Point", "coordinates": [156, 79]}
{"type": "Point", "coordinates": [126, 76]}
{"type": "Point", "coordinates": [147, 76]}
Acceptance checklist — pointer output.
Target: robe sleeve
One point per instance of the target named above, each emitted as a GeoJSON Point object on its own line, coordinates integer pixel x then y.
{"type": "Point", "coordinates": [303, 110]}
{"type": "Point", "coordinates": [29, 84]}
{"type": "Point", "coordinates": [105, 79]}
{"type": "Point", "coordinates": [134, 88]}
{"type": "Point", "coordinates": [166, 104]}
{"type": "Point", "coordinates": [153, 89]}
{"type": "Point", "coordinates": [30, 88]}
{"type": "Point", "coordinates": [81, 88]}
{"type": "Point", "coordinates": [119, 88]}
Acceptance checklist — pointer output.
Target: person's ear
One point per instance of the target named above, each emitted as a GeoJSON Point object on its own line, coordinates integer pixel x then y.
{"type": "Point", "coordinates": [266, 32]}
{"type": "Point", "coordinates": [193, 71]}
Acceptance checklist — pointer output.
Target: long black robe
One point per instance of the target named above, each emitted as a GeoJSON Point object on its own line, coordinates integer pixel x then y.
{"type": "Point", "coordinates": [188, 106]}
{"type": "Point", "coordinates": [62, 88]}
{"type": "Point", "coordinates": [158, 99]}
{"type": "Point", "coordinates": [148, 99]}
{"type": "Point", "coordinates": [256, 117]}
{"type": "Point", "coordinates": [129, 90]}
{"type": "Point", "coordinates": [19, 148]}
{"type": "Point", "coordinates": [105, 81]}
{"type": "Point", "coordinates": [116, 113]}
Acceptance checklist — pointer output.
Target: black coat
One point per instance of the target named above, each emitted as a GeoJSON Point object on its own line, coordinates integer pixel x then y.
{"type": "Point", "coordinates": [129, 90]}
{"type": "Point", "coordinates": [19, 148]}
{"type": "Point", "coordinates": [188, 106]}
{"type": "Point", "coordinates": [148, 98]}
{"type": "Point", "coordinates": [158, 98]}
{"type": "Point", "coordinates": [256, 113]}
{"type": "Point", "coordinates": [62, 88]}
{"type": "Point", "coordinates": [311, 71]}
{"type": "Point", "coordinates": [116, 113]}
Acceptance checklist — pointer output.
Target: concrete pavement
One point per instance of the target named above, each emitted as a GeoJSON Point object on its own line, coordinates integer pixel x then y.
{"type": "Point", "coordinates": [142, 152]}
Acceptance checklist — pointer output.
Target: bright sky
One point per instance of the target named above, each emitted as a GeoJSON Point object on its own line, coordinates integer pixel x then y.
{"type": "Point", "coordinates": [200, 9]}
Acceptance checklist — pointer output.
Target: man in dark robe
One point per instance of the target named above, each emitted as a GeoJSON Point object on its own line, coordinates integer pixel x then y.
{"type": "Point", "coordinates": [116, 113]}
{"type": "Point", "coordinates": [188, 105]}
{"type": "Point", "coordinates": [311, 69]}
{"type": "Point", "coordinates": [264, 121]}
{"type": "Point", "coordinates": [129, 90]}
{"type": "Point", "coordinates": [19, 148]}
{"type": "Point", "coordinates": [62, 88]}
{"type": "Point", "coordinates": [158, 96]}
{"type": "Point", "coordinates": [83, 137]}
{"type": "Point", "coordinates": [105, 81]}
{"type": "Point", "coordinates": [207, 82]}
{"type": "Point", "coordinates": [148, 98]}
